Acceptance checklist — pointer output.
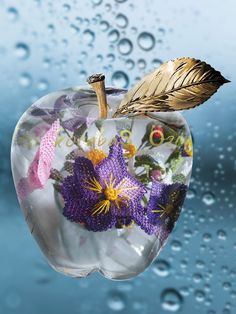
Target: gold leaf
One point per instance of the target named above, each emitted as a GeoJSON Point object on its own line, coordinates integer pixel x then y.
{"type": "Point", "coordinates": [180, 84]}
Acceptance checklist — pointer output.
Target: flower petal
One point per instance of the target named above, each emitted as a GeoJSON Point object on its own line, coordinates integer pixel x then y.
{"type": "Point", "coordinates": [165, 202]}
{"type": "Point", "coordinates": [77, 203]}
{"type": "Point", "coordinates": [131, 188]}
{"type": "Point", "coordinates": [114, 164]}
{"type": "Point", "coordinates": [39, 170]}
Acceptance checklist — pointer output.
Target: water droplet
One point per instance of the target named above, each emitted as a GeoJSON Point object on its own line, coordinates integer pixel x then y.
{"type": "Point", "coordinates": [47, 63]}
{"type": "Point", "coordinates": [125, 286]}
{"type": "Point", "coordinates": [199, 295]}
{"type": "Point", "coordinates": [171, 300]}
{"type": "Point", "coordinates": [139, 306]}
{"type": "Point", "coordinates": [176, 245]}
{"type": "Point", "coordinates": [207, 237]}
{"type": "Point", "coordinates": [125, 46]}
{"type": "Point", "coordinates": [197, 278]}
{"type": "Point", "coordinates": [43, 274]}
{"type": "Point", "coordinates": [116, 301]}
{"type": "Point", "coordinates": [12, 14]}
{"type": "Point", "coordinates": [200, 264]}
{"type": "Point", "coordinates": [22, 51]}
{"type": "Point", "coordinates": [111, 57]}
{"type": "Point", "coordinates": [13, 300]}
{"type": "Point", "coordinates": [142, 64]}
{"type": "Point", "coordinates": [75, 29]}
{"type": "Point", "coordinates": [185, 291]}
{"type": "Point", "coordinates": [156, 63]}
{"type": "Point", "coordinates": [191, 194]}
{"type": "Point", "coordinates": [120, 79]}
{"type": "Point", "coordinates": [104, 26]}
{"type": "Point", "coordinates": [42, 85]}
{"type": "Point", "coordinates": [66, 7]}
{"type": "Point", "coordinates": [121, 20]}
{"type": "Point", "coordinates": [83, 74]}
{"type": "Point", "coordinates": [99, 58]}
{"type": "Point", "coordinates": [25, 80]}
{"type": "Point", "coordinates": [221, 234]}
{"type": "Point", "coordinates": [129, 64]}
{"type": "Point", "coordinates": [161, 31]}
{"type": "Point", "coordinates": [113, 35]}
{"type": "Point", "coordinates": [161, 268]}
{"type": "Point", "coordinates": [51, 28]}
{"type": "Point", "coordinates": [226, 285]}
{"type": "Point", "coordinates": [146, 41]}
{"type": "Point", "coordinates": [97, 2]}
{"type": "Point", "coordinates": [88, 36]}
{"type": "Point", "coordinates": [208, 198]}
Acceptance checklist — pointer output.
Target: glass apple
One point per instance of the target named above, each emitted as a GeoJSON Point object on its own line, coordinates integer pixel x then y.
{"type": "Point", "coordinates": [99, 194]}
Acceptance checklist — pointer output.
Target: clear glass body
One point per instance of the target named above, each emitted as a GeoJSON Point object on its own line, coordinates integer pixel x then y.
{"type": "Point", "coordinates": [117, 253]}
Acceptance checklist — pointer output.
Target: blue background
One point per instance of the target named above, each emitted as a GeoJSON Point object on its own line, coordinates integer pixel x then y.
{"type": "Point", "coordinates": [48, 45]}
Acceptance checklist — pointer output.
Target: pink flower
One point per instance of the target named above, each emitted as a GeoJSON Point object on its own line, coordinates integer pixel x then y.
{"type": "Point", "coordinates": [156, 174]}
{"type": "Point", "coordinates": [39, 170]}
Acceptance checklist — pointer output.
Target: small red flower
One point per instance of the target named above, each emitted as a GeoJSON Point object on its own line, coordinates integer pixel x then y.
{"type": "Point", "coordinates": [158, 131]}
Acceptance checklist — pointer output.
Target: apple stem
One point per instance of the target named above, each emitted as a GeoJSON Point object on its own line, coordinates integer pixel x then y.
{"type": "Point", "coordinates": [97, 81]}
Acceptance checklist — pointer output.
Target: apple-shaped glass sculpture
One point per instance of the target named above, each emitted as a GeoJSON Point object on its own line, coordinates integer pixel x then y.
{"type": "Point", "coordinates": [100, 193]}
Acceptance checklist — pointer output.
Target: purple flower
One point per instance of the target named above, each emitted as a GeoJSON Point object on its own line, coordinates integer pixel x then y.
{"type": "Point", "coordinates": [103, 196]}
{"type": "Point", "coordinates": [164, 208]}
{"type": "Point", "coordinates": [64, 104]}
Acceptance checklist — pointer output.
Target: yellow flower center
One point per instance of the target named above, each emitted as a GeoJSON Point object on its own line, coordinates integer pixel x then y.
{"type": "Point", "coordinates": [130, 150]}
{"type": "Point", "coordinates": [111, 194]}
{"type": "Point", "coordinates": [188, 147]}
{"type": "Point", "coordinates": [165, 210]}
{"type": "Point", "coordinates": [96, 156]}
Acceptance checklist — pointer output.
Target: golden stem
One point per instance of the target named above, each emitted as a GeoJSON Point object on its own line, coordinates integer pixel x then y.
{"type": "Point", "coordinates": [97, 81]}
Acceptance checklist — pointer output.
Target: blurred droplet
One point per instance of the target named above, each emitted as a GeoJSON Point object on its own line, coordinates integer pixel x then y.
{"type": "Point", "coordinates": [176, 245]}
{"type": "Point", "coordinates": [207, 237]}
{"type": "Point", "coordinates": [111, 57]}
{"type": "Point", "coordinates": [116, 301]}
{"type": "Point", "coordinates": [97, 2]}
{"type": "Point", "coordinates": [185, 291]}
{"type": "Point", "coordinates": [125, 46]}
{"type": "Point", "coordinates": [120, 79]}
{"type": "Point", "coordinates": [47, 63]}
{"type": "Point", "coordinates": [43, 274]}
{"type": "Point", "coordinates": [12, 14]}
{"type": "Point", "coordinates": [208, 198]}
{"type": "Point", "coordinates": [226, 286]}
{"type": "Point", "coordinates": [121, 20]}
{"type": "Point", "coordinates": [13, 300]}
{"type": "Point", "coordinates": [221, 234]}
{"type": "Point", "coordinates": [42, 85]}
{"type": "Point", "coordinates": [146, 41]}
{"type": "Point", "coordinates": [190, 194]}
{"type": "Point", "coordinates": [142, 64]}
{"type": "Point", "coordinates": [22, 51]}
{"type": "Point", "coordinates": [156, 63]}
{"type": "Point", "coordinates": [199, 295]}
{"type": "Point", "coordinates": [25, 80]}
{"type": "Point", "coordinates": [197, 278]}
{"type": "Point", "coordinates": [113, 35]}
{"type": "Point", "coordinates": [129, 64]}
{"type": "Point", "coordinates": [66, 7]}
{"type": "Point", "coordinates": [161, 268]}
{"type": "Point", "coordinates": [88, 36]}
{"type": "Point", "coordinates": [171, 300]}
{"type": "Point", "coordinates": [104, 26]}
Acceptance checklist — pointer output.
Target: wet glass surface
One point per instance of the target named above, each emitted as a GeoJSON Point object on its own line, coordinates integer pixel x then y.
{"type": "Point", "coordinates": [50, 45]}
